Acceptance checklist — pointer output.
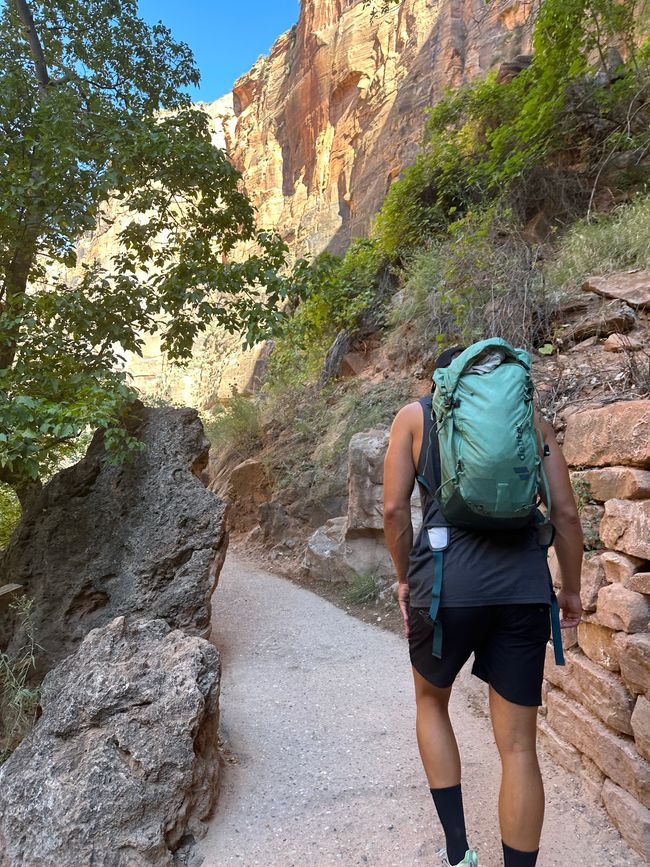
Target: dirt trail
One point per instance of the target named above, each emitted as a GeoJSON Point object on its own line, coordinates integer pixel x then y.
{"type": "Point", "coordinates": [323, 769]}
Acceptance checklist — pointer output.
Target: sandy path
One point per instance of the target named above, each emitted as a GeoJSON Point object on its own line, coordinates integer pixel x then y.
{"type": "Point", "coordinates": [318, 720]}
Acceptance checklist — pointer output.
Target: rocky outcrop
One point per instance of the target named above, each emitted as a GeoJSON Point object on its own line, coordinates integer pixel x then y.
{"type": "Point", "coordinates": [144, 539]}
{"type": "Point", "coordinates": [632, 287]}
{"type": "Point", "coordinates": [596, 712]}
{"type": "Point", "coordinates": [354, 545]}
{"type": "Point", "coordinates": [123, 764]}
{"type": "Point", "coordinates": [327, 121]}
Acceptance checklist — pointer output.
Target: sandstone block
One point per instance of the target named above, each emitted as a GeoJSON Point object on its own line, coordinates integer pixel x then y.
{"type": "Point", "coordinates": [618, 567]}
{"type": "Point", "coordinates": [598, 644]}
{"type": "Point", "coordinates": [630, 817]}
{"type": "Point", "coordinates": [639, 583]}
{"type": "Point", "coordinates": [561, 752]}
{"type": "Point", "coordinates": [330, 556]}
{"type": "Point", "coordinates": [129, 738]}
{"type": "Point", "coordinates": [609, 436]}
{"type": "Point", "coordinates": [641, 726]}
{"type": "Point", "coordinates": [352, 365]}
{"type": "Point", "coordinates": [634, 657]}
{"type": "Point", "coordinates": [633, 287]}
{"type": "Point", "coordinates": [609, 483]}
{"type": "Point", "coordinates": [626, 527]}
{"type": "Point", "coordinates": [591, 581]}
{"type": "Point", "coordinates": [592, 778]}
{"type": "Point", "coordinates": [612, 753]}
{"type": "Point", "coordinates": [622, 609]}
{"type": "Point", "coordinates": [598, 689]}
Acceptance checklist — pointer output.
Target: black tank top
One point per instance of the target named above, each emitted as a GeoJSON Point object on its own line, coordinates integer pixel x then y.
{"type": "Point", "coordinates": [480, 567]}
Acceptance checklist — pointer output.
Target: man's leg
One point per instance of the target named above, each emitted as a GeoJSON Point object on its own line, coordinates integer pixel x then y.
{"type": "Point", "coordinates": [441, 760]}
{"type": "Point", "coordinates": [521, 799]}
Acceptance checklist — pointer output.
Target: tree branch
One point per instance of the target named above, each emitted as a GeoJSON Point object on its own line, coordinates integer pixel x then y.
{"type": "Point", "coordinates": [35, 46]}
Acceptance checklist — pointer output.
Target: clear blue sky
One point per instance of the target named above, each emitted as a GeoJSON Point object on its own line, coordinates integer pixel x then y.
{"type": "Point", "coordinates": [226, 36]}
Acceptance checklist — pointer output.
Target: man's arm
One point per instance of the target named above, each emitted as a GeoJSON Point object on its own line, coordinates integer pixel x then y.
{"type": "Point", "coordinates": [568, 542]}
{"type": "Point", "coordinates": [399, 478]}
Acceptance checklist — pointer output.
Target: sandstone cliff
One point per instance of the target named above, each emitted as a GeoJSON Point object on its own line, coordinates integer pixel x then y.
{"type": "Point", "coordinates": [327, 121]}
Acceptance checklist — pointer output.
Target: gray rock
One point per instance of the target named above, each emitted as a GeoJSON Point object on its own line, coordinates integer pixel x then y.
{"type": "Point", "coordinates": [123, 764]}
{"type": "Point", "coordinates": [98, 541]}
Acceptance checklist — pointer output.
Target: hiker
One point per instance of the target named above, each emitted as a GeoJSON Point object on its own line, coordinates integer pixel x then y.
{"type": "Point", "coordinates": [476, 579]}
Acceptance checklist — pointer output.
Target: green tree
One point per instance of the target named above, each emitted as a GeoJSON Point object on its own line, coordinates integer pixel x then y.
{"type": "Point", "coordinates": [94, 109]}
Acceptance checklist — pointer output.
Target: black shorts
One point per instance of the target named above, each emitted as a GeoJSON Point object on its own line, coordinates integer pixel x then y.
{"type": "Point", "coordinates": [508, 642]}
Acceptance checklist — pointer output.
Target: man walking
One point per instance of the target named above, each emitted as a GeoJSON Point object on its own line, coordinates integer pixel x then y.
{"type": "Point", "coordinates": [494, 602]}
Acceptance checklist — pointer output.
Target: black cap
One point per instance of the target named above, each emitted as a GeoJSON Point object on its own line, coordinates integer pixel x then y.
{"type": "Point", "coordinates": [445, 358]}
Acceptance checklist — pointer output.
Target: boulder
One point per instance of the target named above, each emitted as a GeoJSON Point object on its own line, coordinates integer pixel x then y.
{"type": "Point", "coordinates": [620, 483]}
{"type": "Point", "coordinates": [612, 753]}
{"type": "Point", "coordinates": [123, 764]}
{"type": "Point", "coordinates": [366, 480]}
{"type": "Point", "coordinates": [619, 567]}
{"type": "Point", "coordinates": [611, 318]}
{"type": "Point", "coordinates": [245, 490]}
{"type": "Point", "coordinates": [332, 556]}
{"type": "Point", "coordinates": [622, 609]}
{"type": "Point", "coordinates": [609, 436]}
{"type": "Point", "coordinates": [145, 538]}
{"type": "Point", "coordinates": [635, 663]}
{"type": "Point", "coordinates": [631, 818]}
{"type": "Point", "coordinates": [366, 484]}
{"type": "Point", "coordinates": [597, 642]}
{"type": "Point", "coordinates": [626, 527]}
{"type": "Point", "coordinates": [632, 287]}
{"type": "Point", "coordinates": [641, 726]}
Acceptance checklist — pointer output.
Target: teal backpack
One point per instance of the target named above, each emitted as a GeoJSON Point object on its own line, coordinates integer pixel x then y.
{"type": "Point", "coordinates": [490, 464]}
{"type": "Point", "coordinates": [491, 469]}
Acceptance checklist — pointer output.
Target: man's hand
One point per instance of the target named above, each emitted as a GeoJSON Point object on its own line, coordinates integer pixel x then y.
{"type": "Point", "coordinates": [571, 608]}
{"type": "Point", "coordinates": [403, 599]}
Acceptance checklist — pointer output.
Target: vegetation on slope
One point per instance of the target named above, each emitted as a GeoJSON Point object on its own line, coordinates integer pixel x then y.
{"type": "Point", "coordinates": [521, 187]}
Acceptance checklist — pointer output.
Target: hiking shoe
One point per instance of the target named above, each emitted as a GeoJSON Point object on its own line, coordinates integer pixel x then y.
{"type": "Point", "coordinates": [470, 859]}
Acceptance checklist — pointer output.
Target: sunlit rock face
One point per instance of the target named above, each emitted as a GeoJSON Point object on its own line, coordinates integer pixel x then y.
{"type": "Point", "coordinates": [320, 129]}
{"type": "Point", "coordinates": [327, 121]}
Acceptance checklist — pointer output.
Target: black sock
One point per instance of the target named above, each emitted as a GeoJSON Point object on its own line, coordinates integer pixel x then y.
{"type": "Point", "coordinates": [514, 858]}
{"type": "Point", "coordinates": [449, 804]}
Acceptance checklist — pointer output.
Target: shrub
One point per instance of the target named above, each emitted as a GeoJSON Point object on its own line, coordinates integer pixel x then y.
{"type": "Point", "coordinates": [544, 138]}
{"type": "Point", "coordinates": [363, 588]}
{"type": "Point", "coordinates": [603, 244]}
{"type": "Point", "coordinates": [9, 513]}
{"type": "Point", "coordinates": [236, 426]}
{"type": "Point", "coordinates": [483, 281]}
{"type": "Point", "coordinates": [335, 293]}
{"type": "Point", "coordinates": [19, 698]}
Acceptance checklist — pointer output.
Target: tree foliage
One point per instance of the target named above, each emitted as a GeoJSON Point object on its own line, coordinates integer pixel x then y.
{"type": "Point", "coordinates": [93, 110]}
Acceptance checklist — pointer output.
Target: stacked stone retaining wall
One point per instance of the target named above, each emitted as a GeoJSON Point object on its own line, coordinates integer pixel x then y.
{"type": "Point", "coordinates": [596, 715]}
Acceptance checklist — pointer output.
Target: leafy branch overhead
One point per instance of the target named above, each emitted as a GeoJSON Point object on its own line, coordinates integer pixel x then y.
{"type": "Point", "coordinates": [94, 109]}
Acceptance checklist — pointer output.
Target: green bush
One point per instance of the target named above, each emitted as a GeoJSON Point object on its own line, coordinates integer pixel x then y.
{"type": "Point", "coordinates": [9, 513]}
{"type": "Point", "coordinates": [236, 426]}
{"type": "Point", "coordinates": [604, 244]}
{"type": "Point", "coordinates": [542, 139]}
{"type": "Point", "coordinates": [335, 293]}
